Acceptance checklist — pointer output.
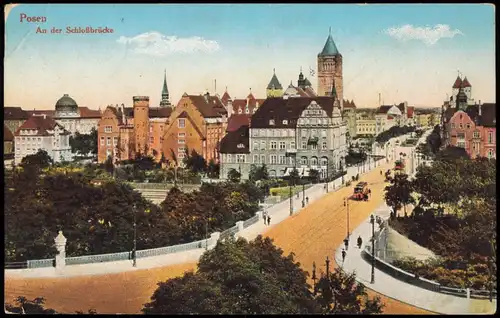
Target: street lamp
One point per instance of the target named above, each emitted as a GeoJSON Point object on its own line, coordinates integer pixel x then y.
{"type": "Point", "coordinates": [313, 277]}
{"type": "Point", "coordinates": [372, 221]}
{"type": "Point", "coordinates": [346, 204]}
{"type": "Point", "coordinates": [291, 154]}
{"type": "Point", "coordinates": [134, 251]}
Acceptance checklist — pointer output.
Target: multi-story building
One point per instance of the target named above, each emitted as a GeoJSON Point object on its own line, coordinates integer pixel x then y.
{"type": "Point", "coordinates": [388, 116]}
{"type": "Point", "coordinates": [286, 133]}
{"type": "Point", "coordinates": [472, 127]}
{"type": "Point", "coordinates": [198, 122]}
{"type": "Point", "coordinates": [365, 124]}
{"type": "Point", "coordinates": [303, 88]}
{"type": "Point", "coordinates": [14, 117]}
{"type": "Point", "coordinates": [42, 132]}
{"type": "Point", "coordinates": [465, 86]}
{"type": "Point", "coordinates": [75, 118]}
{"type": "Point", "coordinates": [8, 141]}
{"type": "Point", "coordinates": [349, 113]}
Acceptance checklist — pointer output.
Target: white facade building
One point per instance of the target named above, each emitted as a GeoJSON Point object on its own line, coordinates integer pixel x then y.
{"type": "Point", "coordinates": [75, 119]}
{"type": "Point", "coordinates": [42, 132]}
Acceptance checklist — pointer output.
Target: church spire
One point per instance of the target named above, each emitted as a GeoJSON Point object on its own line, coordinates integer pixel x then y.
{"type": "Point", "coordinates": [164, 93]}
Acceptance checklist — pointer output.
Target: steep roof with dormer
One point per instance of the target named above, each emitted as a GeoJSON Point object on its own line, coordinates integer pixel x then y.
{"type": "Point", "coordinates": [465, 83]}
{"type": "Point", "coordinates": [458, 82]}
{"type": "Point", "coordinates": [42, 124]}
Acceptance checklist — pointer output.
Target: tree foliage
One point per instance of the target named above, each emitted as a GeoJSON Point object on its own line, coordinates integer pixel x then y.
{"type": "Point", "coordinates": [258, 173]}
{"type": "Point", "coordinates": [195, 162]}
{"type": "Point", "coordinates": [39, 160]}
{"type": "Point", "coordinates": [36, 306]}
{"type": "Point", "coordinates": [452, 153]}
{"type": "Point", "coordinates": [399, 193]}
{"type": "Point", "coordinates": [84, 144]}
{"type": "Point", "coordinates": [240, 277]}
{"type": "Point", "coordinates": [394, 131]}
{"type": "Point", "coordinates": [234, 175]}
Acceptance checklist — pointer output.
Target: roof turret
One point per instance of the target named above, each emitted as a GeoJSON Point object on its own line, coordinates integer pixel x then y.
{"type": "Point", "coordinates": [330, 49]}
{"type": "Point", "coordinates": [458, 82]}
{"type": "Point", "coordinates": [274, 83]}
{"type": "Point", "coordinates": [465, 83]}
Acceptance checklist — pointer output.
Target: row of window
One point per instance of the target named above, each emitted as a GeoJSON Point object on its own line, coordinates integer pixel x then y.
{"type": "Point", "coordinates": [29, 139]}
{"type": "Point", "coordinates": [273, 145]}
{"type": "Point", "coordinates": [276, 159]}
{"type": "Point", "coordinates": [476, 134]}
{"type": "Point", "coordinates": [108, 141]}
{"type": "Point", "coordinates": [285, 132]}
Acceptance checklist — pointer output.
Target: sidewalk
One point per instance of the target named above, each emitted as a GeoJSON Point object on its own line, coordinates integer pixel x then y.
{"type": "Point", "coordinates": [399, 290]}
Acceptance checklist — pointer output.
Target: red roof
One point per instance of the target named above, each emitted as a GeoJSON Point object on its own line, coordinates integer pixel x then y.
{"type": "Point", "coordinates": [41, 124]}
{"type": "Point", "coordinates": [349, 104]}
{"type": "Point", "coordinates": [34, 112]}
{"type": "Point", "coordinates": [236, 121]}
{"type": "Point", "coordinates": [85, 112]}
{"type": "Point", "coordinates": [242, 104]}
{"type": "Point", "coordinates": [410, 111]}
{"type": "Point", "coordinates": [14, 113]}
{"type": "Point", "coordinates": [250, 96]}
{"type": "Point", "coordinates": [458, 82]}
{"type": "Point", "coordinates": [7, 134]}
{"type": "Point", "coordinates": [465, 83]}
{"type": "Point", "coordinates": [225, 98]}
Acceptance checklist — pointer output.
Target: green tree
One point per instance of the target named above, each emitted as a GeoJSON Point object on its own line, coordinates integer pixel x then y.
{"type": "Point", "coordinates": [399, 193]}
{"type": "Point", "coordinates": [41, 160]}
{"type": "Point", "coordinates": [451, 153]}
{"type": "Point", "coordinates": [84, 144]}
{"type": "Point", "coordinates": [234, 175]}
{"type": "Point", "coordinates": [314, 175]}
{"type": "Point", "coordinates": [36, 306]}
{"type": "Point", "coordinates": [213, 169]}
{"type": "Point", "coordinates": [238, 277]}
{"type": "Point", "coordinates": [258, 173]}
{"type": "Point", "coordinates": [339, 293]}
{"type": "Point", "coordinates": [195, 162]}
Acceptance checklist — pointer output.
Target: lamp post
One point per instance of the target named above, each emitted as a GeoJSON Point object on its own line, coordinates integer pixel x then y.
{"type": "Point", "coordinates": [134, 251]}
{"type": "Point", "coordinates": [326, 182]}
{"type": "Point", "coordinates": [294, 171]}
{"type": "Point", "coordinates": [372, 221]}
{"type": "Point", "coordinates": [346, 204]}
{"type": "Point", "coordinates": [313, 277]}
{"type": "Point", "coordinates": [327, 261]}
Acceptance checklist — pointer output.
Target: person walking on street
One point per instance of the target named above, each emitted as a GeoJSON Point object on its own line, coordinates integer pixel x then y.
{"type": "Point", "coordinates": [360, 241]}
{"type": "Point", "coordinates": [307, 200]}
{"type": "Point", "coordinates": [265, 217]}
{"type": "Point", "coordinates": [343, 255]}
{"type": "Point", "coordinates": [268, 220]}
{"type": "Point", "coordinates": [346, 243]}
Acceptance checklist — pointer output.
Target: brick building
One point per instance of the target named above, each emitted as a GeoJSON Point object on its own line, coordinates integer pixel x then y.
{"type": "Point", "coordinates": [198, 122]}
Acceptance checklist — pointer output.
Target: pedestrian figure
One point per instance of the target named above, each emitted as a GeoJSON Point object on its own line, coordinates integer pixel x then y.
{"type": "Point", "coordinates": [268, 220]}
{"type": "Point", "coordinates": [307, 200]}
{"type": "Point", "coordinates": [343, 255]}
{"type": "Point", "coordinates": [346, 243]}
{"type": "Point", "coordinates": [298, 195]}
{"type": "Point", "coordinates": [360, 241]}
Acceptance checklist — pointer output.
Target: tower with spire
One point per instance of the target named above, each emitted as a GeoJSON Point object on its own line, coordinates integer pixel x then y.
{"type": "Point", "coordinates": [330, 69]}
{"type": "Point", "coordinates": [165, 97]}
{"type": "Point", "coordinates": [274, 88]}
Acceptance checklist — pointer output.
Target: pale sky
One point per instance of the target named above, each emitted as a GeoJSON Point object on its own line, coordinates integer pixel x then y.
{"type": "Point", "coordinates": [404, 52]}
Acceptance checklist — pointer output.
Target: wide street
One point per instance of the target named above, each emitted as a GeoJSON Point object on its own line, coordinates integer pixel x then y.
{"type": "Point", "coordinates": [312, 234]}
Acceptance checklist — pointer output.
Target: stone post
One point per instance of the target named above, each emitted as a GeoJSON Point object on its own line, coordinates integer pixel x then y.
{"type": "Point", "coordinates": [468, 292]}
{"type": "Point", "coordinates": [60, 242]}
{"type": "Point", "coordinates": [214, 238]}
{"type": "Point", "coordinates": [259, 214]}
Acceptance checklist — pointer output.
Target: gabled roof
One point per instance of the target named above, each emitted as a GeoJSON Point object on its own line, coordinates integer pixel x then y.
{"type": "Point", "coordinates": [209, 107]}
{"type": "Point", "coordinates": [237, 120]}
{"type": "Point", "coordinates": [41, 124]}
{"type": "Point", "coordinates": [7, 134]}
{"type": "Point", "coordinates": [307, 82]}
{"type": "Point", "coordinates": [488, 115]}
{"type": "Point", "coordinates": [274, 83]}
{"type": "Point", "coordinates": [117, 112]}
{"type": "Point", "coordinates": [242, 104]}
{"type": "Point", "coordinates": [233, 139]}
{"type": "Point", "coordinates": [14, 113]}
{"type": "Point", "coordinates": [349, 104]}
{"type": "Point", "coordinates": [290, 109]}
{"type": "Point", "coordinates": [458, 82]}
{"type": "Point", "coordinates": [250, 96]}
{"type": "Point", "coordinates": [154, 112]}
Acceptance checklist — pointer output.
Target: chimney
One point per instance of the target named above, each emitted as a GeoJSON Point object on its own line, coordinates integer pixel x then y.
{"type": "Point", "coordinates": [479, 108]}
{"type": "Point", "coordinates": [45, 116]}
{"type": "Point", "coordinates": [207, 95]}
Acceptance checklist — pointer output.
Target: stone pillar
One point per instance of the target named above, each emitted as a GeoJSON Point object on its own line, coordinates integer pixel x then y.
{"type": "Point", "coordinates": [259, 214]}
{"type": "Point", "coordinates": [214, 238]}
{"type": "Point", "coordinates": [60, 242]}
{"type": "Point", "coordinates": [240, 226]}
{"type": "Point", "coordinates": [468, 292]}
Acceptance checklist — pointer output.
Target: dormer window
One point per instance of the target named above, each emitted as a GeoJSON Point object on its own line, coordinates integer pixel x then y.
{"type": "Point", "coordinates": [241, 146]}
{"type": "Point", "coordinates": [271, 122]}
{"type": "Point", "coordinates": [285, 122]}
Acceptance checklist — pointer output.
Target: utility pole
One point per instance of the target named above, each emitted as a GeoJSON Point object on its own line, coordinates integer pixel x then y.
{"type": "Point", "coordinates": [206, 234]}
{"type": "Point", "coordinates": [134, 251]}
{"type": "Point", "coordinates": [372, 221]}
{"type": "Point", "coordinates": [313, 277]}
{"type": "Point", "coordinates": [327, 261]}
{"type": "Point", "coordinates": [346, 204]}
{"type": "Point", "coordinates": [326, 183]}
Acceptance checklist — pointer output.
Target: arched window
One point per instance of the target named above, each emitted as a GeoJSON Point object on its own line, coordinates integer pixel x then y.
{"type": "Point", "coordinates": [314, 161]}
{"type": "Point", "coordinates": [324, 161]}
{"type": "Point", "coordinates": [303, 160]}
